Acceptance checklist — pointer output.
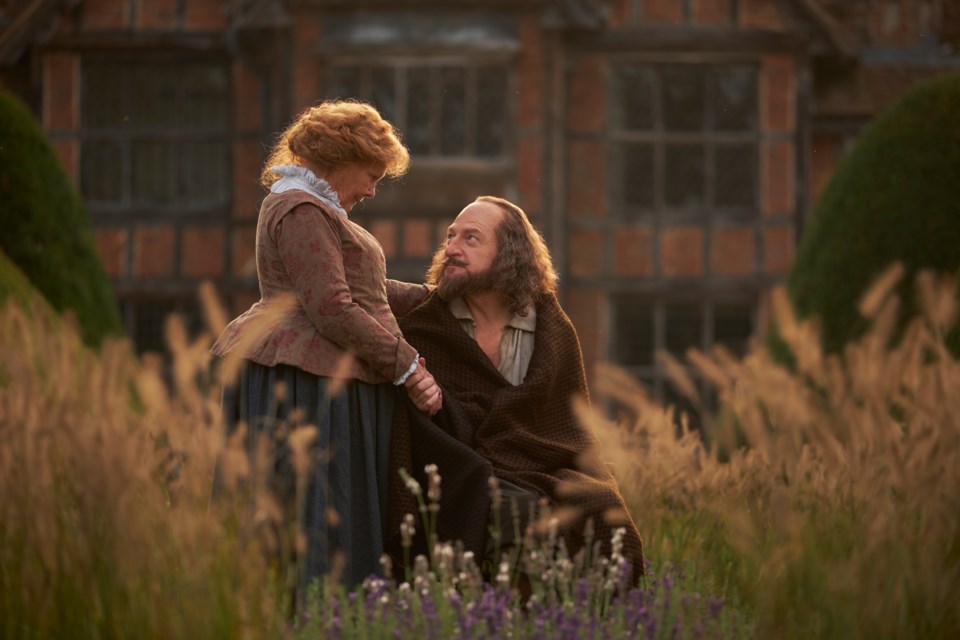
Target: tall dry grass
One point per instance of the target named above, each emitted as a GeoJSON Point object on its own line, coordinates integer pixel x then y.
{"type": "Point", "coordinates": [106, 527]}
{"type": "Point", "coordinates": [840, 516]}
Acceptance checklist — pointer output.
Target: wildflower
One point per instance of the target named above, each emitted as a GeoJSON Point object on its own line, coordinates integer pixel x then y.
{"type": "Point", "coordinates": [387, 565]}
{"type": "Point", "coordinates": [503, 574]}
{"type": "Point", "coordinates": [443, 559]}
{"type": "Point", "coordinates": [433, 479]}
{"type": "Point", "coordinates": [371, 583]}
{"type": "Point", "coordinates": [421, 566]}
{"type": "Point", "coordinates": [715, 606]}
{"type": "Point", "coordinates": [564, 569]}
{"type": "Point", "coordinates": [407, 530]}
{"type": "Point", "coordinates": [616, 542]}
{"type": "Point", "coordinates": [413, 486]}
{"type": "Point", "coordinates": [403, 596]}
{"type": "Point", "coordinates": [552, 532]}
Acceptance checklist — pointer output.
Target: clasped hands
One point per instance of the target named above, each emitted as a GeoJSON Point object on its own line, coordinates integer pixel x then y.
{"type": "Point", "coordinates": [423, 390]}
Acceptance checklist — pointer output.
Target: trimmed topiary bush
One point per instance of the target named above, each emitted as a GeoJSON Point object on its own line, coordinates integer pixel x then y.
{"type": "Point", "coordinates": [46, 232]}
{"type": "Point", "coordinates": [895, 197]}
{"type": "Point", "coordinates": [13, 284]}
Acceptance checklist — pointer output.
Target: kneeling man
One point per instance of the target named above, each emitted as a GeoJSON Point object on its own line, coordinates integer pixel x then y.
{"type": "Point", "coordinates": [509, 363]}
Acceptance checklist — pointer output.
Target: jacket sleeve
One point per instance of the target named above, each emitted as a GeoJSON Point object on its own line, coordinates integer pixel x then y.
{"type": "Point", "coordinates": [311, 251]}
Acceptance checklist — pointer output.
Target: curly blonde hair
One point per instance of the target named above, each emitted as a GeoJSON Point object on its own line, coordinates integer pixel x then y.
{"type": "Point", "coordinates": [338, 132]}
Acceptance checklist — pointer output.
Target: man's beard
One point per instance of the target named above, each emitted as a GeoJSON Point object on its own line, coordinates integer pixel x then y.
{"type": "Point", "coordinates": [465, 284]}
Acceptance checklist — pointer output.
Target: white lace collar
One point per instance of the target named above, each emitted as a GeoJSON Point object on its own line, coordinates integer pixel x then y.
{"type": "Point", "coordinates": [297, 177]}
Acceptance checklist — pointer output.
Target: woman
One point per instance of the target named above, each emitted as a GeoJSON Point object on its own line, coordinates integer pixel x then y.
{"type": "Point", "coordinates": [339, 327]}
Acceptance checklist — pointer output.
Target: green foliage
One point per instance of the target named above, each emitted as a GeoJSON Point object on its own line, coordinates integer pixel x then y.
{"type": "Point", "coordinates": [13, 283]}
{"type": "Point", "coordinates": [893, 198]}
{"type": "Point", "coordinates": [46, 232]}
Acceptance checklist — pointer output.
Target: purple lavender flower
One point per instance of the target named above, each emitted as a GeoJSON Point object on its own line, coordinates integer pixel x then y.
{"type": "Point", "coordinates": [715, 606]}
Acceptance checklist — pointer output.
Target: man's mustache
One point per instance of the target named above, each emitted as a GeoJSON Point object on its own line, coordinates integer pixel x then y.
{"type": "Point", "coordinates": [450, 262]}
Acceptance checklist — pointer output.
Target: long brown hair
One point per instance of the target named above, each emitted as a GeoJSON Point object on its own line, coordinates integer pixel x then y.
{"type": "Point", "coordinates": [522, 269]}
{"type": "Point", "coordinates": [338, 132]}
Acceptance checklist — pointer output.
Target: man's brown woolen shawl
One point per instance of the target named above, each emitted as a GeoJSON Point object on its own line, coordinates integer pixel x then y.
{"type": "Point", "coordinates": [526, 434]}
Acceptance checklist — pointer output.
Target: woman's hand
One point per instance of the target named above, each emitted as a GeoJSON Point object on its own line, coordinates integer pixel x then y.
{"type": "Point", "coordinates": [423, 390]}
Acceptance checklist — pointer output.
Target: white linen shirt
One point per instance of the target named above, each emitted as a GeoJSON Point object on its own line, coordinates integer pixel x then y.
{"type": "Point", "coordinates": [516, 342]}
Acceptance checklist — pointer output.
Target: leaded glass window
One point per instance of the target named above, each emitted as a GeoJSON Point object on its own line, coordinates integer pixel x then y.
{"type": "Point", "coordinates": [642, 326]}
{"type": "Point", "coordinates": [684, 140]}
{"type": "Point", "coordinates": [147, 319]}
{"type": "Point", "coordinates": [443, 109]}
{"type": "Point", "coordinates": [155, 134]}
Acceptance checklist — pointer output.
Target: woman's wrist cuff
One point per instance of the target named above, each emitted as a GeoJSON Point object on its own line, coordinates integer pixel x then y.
{"type": "Point", "coordinates": [413, 367]}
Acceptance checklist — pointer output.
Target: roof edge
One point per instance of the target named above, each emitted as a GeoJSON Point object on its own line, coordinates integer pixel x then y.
{"type": "Point", "coordinates": [835, 34]}
{"type": "Point", "coordinates": [29, 26]}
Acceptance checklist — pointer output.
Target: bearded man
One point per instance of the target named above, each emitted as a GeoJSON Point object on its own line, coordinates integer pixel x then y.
{"type": "Point", "coordinates": [509, 364]}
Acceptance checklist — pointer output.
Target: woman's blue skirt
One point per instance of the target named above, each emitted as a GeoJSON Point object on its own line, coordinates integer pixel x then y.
{"type": "Point", "coordinates": [343, 505]}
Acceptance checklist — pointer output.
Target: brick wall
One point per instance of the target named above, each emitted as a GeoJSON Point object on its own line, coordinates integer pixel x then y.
{"type": "Point", "coordinates": [950, 24]}
{"type": "Point", "coordinates": [587, 310]}
{"type": "Point", "coordinates": [112, 246]}
{"type": "Point", "coordinates": [778, 164]}
{"type": "Point", "coordinates": [681, 251]}
{"type": "Point", "coordinates": [60, 110]}
{"type": "Point", "coordinates": [758, 14]}
{"type": "Point", "coordinates": [732, 251]}
{"type": "Point", "coordinates": [905, 22]}
{"type": "Point", "coordinates": [605, 254]}
{"type": "Point", "coordinates": [152, 15]}
{"type": "Point", "coordinates": [170, 254]}
{"type": "Point", "coordinates": [531, 81]}
{"type": "Point", "coordinates": [599, 253]}
{"type": "Point", "coordinates": [106, 15]}
{"type": "Point", "coordinates": [153, 251]}
{"type": "Point", "coordinates": [307, 76]}
{"type": "Point", "coordinates": [633, 251]}
{"type": "Point", "coordinates": [825, 153]}
{"type": "Point", "coordinates": [586, 107]}
{"type": "Point", "coordinates": [761, 14]}
{"type": "Point", "coordinates": [713, 12]}
{"type": "Point", "coordinates": [157, 14]}
{"type": "Point", "coordinates": [662, 11]}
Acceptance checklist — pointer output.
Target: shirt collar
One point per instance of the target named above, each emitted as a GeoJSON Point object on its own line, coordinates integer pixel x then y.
{"type": "Point", "coordinates": [459, 310]}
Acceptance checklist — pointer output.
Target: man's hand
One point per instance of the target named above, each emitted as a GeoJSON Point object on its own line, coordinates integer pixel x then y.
{"type": "Point", "coordinates": [423, 390]}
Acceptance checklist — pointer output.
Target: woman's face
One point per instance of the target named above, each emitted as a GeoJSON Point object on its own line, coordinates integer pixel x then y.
{"type": "Point", "coordinates": [354, 182]}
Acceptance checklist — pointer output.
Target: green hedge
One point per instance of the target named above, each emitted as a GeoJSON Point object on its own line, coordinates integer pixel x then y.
{"type": "Point", "coordinates": [895, 197]}
{"type": "Point", "coordinates": [46, 232]}
{"type": "Point", "coordinates": [13, 284]}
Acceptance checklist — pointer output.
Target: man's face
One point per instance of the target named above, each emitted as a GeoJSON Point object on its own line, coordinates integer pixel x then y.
{"type": "Point", "coordinates": [471, 250]}
{"type": "Point", "coordinates": [354, 182]}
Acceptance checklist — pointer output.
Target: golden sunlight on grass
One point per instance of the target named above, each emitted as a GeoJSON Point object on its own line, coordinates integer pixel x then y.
{"type": "Point", "coordinates": [820, 500]}
{"type": "Point", "coordinates": [106, 527]}
{"type": "Point", "coordinates": [840, 517]}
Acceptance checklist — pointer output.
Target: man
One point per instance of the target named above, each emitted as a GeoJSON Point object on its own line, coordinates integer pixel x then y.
{"type": "Point", "coordinates": [509, 363]}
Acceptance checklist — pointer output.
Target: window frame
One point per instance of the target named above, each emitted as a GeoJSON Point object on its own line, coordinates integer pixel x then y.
{"type": "Point", "coordinates": [138, 309]}
{"type": "Point", "coordinates": [659, 137]}
{"type": "Point", "coordinates": [471, 62]}
{"type": "Point", "coordinates": [129, 207]}
{"type": "Point", "coordinates": [654, 374]}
